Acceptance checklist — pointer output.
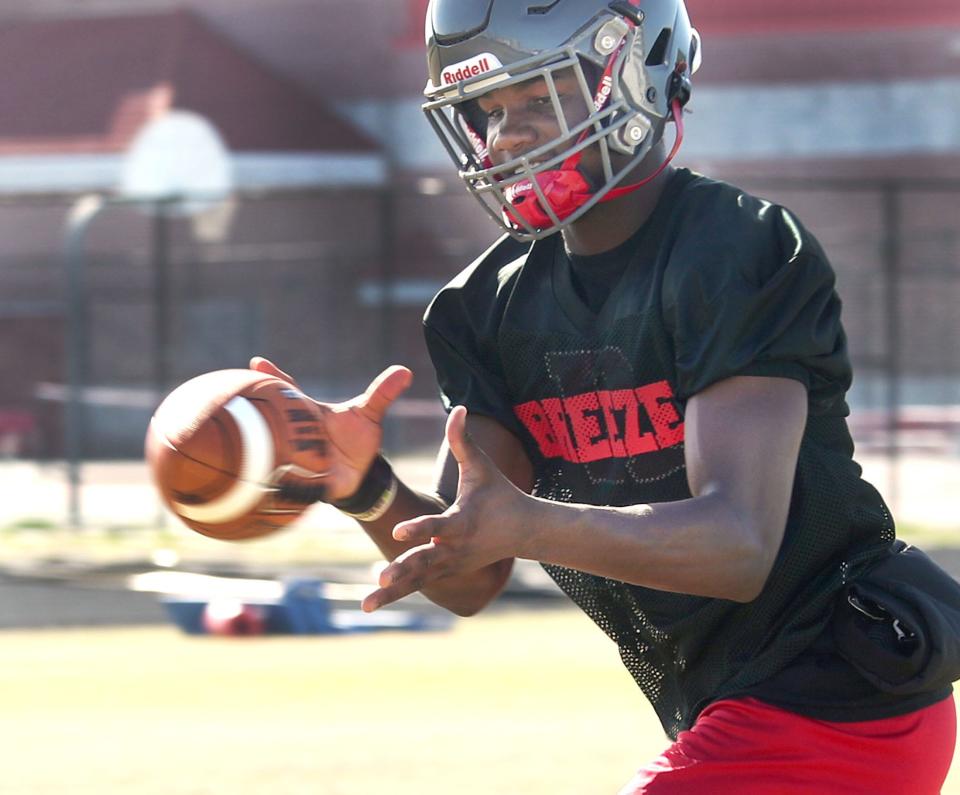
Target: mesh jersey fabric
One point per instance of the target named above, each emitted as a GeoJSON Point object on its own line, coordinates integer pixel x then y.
{"type": "Point", "coordinates": [720, 284]}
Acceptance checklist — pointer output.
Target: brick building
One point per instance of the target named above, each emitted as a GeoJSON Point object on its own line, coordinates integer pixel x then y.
{"type": "Point", "coordinates": [347, 217]}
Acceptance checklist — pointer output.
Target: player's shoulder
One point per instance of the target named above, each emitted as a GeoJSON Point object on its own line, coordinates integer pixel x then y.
{"type": "Point", "coordinates": [723, 231]}
{"type": "Point", "coordinates": [496, 266]}
{"type": "Point", "coordinates": [728, 211]}
{"type": "Point", "coordinates": [484, 280]}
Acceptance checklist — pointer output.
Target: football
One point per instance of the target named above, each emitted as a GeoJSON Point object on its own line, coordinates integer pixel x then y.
{"type": "Point", "coordinates": [237, 454]}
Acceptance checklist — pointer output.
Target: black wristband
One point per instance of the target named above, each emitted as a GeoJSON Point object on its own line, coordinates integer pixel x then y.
{"type": "Point", "coordinates": [374, 496]}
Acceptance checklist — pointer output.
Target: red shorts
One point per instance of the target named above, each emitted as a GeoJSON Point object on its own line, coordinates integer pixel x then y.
{"type": "Point", "coordinates": [746, 747]}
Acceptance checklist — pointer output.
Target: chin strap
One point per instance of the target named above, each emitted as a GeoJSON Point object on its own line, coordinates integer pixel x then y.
{"type": "Point", "coordinates": [567, 190]}
{"type": "Point", "coordinates": [677, 112]}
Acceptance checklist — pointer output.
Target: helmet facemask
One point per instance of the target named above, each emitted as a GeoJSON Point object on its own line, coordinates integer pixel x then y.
{"type": "Point", "coordinates": [538, 192]}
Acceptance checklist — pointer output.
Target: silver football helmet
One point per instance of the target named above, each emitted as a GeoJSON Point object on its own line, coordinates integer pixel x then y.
{"type": "Point", "coordinates": [632, 60]}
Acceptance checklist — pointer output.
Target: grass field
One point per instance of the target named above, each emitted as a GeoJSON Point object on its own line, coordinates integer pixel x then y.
{"type": "Point", "coordinates": [514, 703]}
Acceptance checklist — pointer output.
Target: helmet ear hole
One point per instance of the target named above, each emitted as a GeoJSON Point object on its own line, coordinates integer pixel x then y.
{"type": "Point", "coordinates": [658, 53]}
{"type": "Point", "coordinates": [696, 55]}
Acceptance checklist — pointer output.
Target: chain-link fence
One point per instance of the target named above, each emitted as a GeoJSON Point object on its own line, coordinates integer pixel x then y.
{"type": "Point", "coordinates": [100, 319]}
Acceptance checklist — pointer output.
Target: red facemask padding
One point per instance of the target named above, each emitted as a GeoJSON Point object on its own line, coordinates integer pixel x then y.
{"type": "Point", "coordinates": [565, 190]}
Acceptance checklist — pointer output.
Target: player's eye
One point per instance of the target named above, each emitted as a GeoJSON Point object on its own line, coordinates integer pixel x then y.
{"type": "Point", "coordinates": [489, 111]}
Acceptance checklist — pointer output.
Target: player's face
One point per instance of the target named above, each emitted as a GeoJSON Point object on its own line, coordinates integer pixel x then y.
{"type": "Point", "coordinates": [522, 117]}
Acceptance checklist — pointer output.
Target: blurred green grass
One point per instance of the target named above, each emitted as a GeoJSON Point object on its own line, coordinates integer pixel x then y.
{"type": "Point", "coordinates": [514, 702]}
{"type": "Point", "coordinates": [511, 703]}
{"type": "Point", "coordinates": [35, 542]}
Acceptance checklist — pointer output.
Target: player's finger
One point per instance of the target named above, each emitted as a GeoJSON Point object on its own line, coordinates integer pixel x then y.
{"type": "Point", "coordinates": [379, 598]}
{"type": "Point", "coordinates": [411, 568]}
{"type": "Point", "coordinates": [390, 593]}
{"type": "Point", "coordinates": [420, 530]}
{"type": "Point", "coordinates": [263, 365]}
{"type": "Point", "coordinates": [383, 390]}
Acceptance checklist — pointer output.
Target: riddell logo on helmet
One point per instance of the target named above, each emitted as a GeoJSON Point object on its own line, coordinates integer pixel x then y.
{"type": "Point", "coordinates": [473, 67]}
{"type": "Point", "coordinates": [603, 92]}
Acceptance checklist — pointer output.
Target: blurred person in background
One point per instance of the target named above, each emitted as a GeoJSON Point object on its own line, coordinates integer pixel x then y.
{"type": "Point", "coordinates": [646, 378]}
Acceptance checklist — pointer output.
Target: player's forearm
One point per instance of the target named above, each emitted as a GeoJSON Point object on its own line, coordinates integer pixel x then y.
{"type": "Point", "coordinates": [699, 546]}
{"type": "Point", "coordinates": [407, 504]}
{"type": "Point", "coordinates": [465, 594]}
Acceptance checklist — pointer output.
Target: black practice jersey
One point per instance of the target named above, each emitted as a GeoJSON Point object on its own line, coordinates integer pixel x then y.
{"type": "Point", "coordinates": [716, 284]}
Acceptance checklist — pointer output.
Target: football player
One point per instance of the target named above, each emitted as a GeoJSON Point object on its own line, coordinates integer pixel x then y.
{"type": "Point", "coordinates": [645, 378]}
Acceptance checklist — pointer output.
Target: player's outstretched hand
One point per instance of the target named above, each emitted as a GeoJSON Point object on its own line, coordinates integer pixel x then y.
{"type": "Point", "coordinates": [354, 427]}
{"type": "Point", "coordinates": [485, 524]}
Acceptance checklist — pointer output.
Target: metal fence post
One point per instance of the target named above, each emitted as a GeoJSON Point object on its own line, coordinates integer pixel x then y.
{"type": "Point", "coordinates": [81, 216]}
{"type": "Point", "coordinates": [892, 246]}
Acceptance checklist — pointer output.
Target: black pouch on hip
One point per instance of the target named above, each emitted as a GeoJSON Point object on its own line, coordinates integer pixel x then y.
{"type": "Point", "coordinates": [899, 623]}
